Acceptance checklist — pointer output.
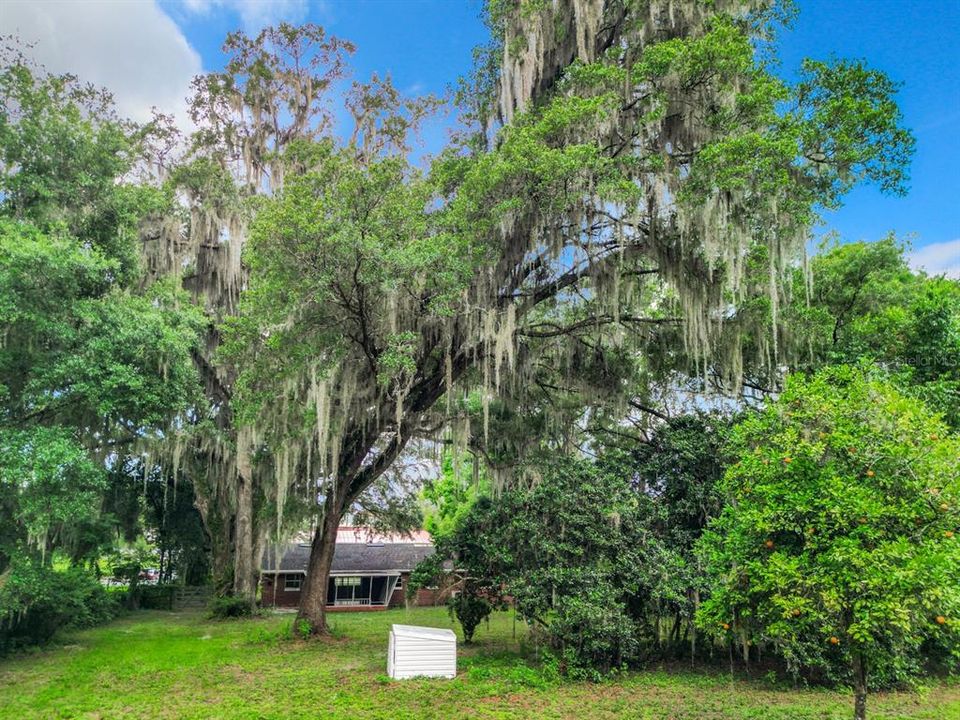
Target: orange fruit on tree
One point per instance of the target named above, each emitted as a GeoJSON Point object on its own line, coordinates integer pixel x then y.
{"type": "Point", "coordinates": [941, 620]}
{"type": "Point", "coordinates": [948, 534]}
{"type": "Point", "coordinates": [870, 473]}
{"type": "Point", "coordinates": [788, 460]}
{"type": "Point", "coordinates": [834, 640]}
{"type": "Point", "coordinates": [768, 544]}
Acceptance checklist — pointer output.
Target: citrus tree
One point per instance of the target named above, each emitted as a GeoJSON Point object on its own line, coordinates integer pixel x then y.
{"type": "Point", "coordinates": [838, 545]}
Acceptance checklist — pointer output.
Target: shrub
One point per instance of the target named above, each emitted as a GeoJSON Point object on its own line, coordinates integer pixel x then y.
{"type": "Point", "coordinates": [469, 610]}
{"type": "Point", "coordinates": [594, 634]}
{"type": "Point", "coordinates": [36, 601]}
{"type": "Point", "coordinates": [230, 606]}
{"type": "Point", "coordinates": [595, 555]}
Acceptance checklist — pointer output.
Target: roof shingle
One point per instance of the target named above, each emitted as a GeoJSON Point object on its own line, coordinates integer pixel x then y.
{"type": "Point", "coordinates": [353, 558]}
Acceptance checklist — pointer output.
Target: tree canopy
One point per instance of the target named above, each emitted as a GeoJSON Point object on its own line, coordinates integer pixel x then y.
{"type": "Point", "coordinates": [658, 174]}
{"type": "Point", "coordinates": [92, 363]}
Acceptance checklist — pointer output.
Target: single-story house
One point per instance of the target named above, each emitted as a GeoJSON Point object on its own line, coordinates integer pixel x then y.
{"type": "Point", "coordinates": [370, 574]}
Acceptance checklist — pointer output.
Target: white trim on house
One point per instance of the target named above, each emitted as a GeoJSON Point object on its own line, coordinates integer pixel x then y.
{"type": "Point", "coordinates": [288, 580]}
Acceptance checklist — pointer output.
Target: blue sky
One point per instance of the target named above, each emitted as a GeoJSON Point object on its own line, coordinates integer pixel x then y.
{"type": "Point", "coordinates": [147, 51]}
{"type": "Point", "coordinates": [425, 44]}
{"type": "Point", "coordinates": [916, 42]}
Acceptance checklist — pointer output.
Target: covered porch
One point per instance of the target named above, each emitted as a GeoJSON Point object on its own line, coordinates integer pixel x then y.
{"type": "Point", "coordinates": [361, 590]}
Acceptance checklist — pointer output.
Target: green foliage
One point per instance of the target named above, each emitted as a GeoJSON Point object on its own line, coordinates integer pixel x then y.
{"type": "Point", "coordinates": [838, 544]}
{"type": "Point", "coordinates": [449, 497]}
{"type": "Point", "coordinates": [301, 628]}
{"type": "Point", "coordinates": [677, 472]}
{"type": "Point", "coordinates": [36, 601]}
{"type": "Point", "coordinates": [85, 362]}
{"type": "Point", "coordinates": [225, 607]}
{"type": "Point", "coordinates": [83, 342]}
{"type": "Point", "coordinates": [566, 550]}
{"type": "Point", "coordinates": [461, 564]}
{"type": "Point", "coordinates": [470, 609]}
{"type": "Point", "coordinates": [343, 219]}
{"type": "Point", "coordinates": [62, 151]}
{"type": "Point", "coordinates": [849, 120]}
{"type": "Point", "coordinates": [49, 485]}
{"type": "Point", "coordinates": [596, 554]}
{"type": "Point", "coordinates": [91, 360]}
{"type": "Point", "coordinates": [867, 304]}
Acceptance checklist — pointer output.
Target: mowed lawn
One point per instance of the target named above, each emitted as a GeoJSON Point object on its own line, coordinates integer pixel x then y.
{"type": "Point", "coordinates": [182, 665]}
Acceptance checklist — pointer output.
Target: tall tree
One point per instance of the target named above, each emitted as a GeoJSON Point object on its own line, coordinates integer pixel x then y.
{"type": "Point", "coordinates": [868, 304]}
{"type": "Point", "coordinates": [91, 363]}
{"type": "Point", "coordinates": [271, 95]}
{"type": "Point", "coordinates": [647, 158]}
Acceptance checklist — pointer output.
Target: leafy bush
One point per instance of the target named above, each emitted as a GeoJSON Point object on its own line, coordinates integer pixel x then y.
{"type": "Point", "coordinates": [469, 610]}
{"type": "Point", "coordinates": [593, 554]}
{"type": "Point", "coordinates": [461, 562]}
{"type": "Point", "coordinates": [594, 634]}
{"type": "Point", "coordinates": [230, 606]}
{"type": "Point", "coordinates": [565, 547]}
{"type": "Point", "coordinates": [36, 601]}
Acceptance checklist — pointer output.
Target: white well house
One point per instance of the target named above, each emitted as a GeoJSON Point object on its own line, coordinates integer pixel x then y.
{"type": "Point", "coordinates": [421, 652]}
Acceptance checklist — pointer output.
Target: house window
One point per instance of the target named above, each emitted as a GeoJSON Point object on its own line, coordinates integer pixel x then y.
{"type": "Point", "coordinates": [399, 583]}
{"type": "Point", "coordinates": [291, 583]}
{"type": "Point", "coordinates": [347, 581]}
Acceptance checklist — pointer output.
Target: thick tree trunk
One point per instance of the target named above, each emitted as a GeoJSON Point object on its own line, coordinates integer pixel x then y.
{"type": "Point", "coordinates": [245, 572]}
{"type": "Point", "coordinates": [217, 525]}
{"type": "Point", "coordinates": [313, 596]}
{"type": "Point", "coordinates": [859, 687]}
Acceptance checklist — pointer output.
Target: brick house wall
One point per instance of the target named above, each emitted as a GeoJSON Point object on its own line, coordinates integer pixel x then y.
{"type": "Point", "coordinates": [284, 597]}
{"type": "Point", "coordinates": [377, 558]}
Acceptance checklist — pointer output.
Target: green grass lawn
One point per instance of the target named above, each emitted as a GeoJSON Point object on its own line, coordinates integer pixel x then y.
{"type": "Point", "coordinates": [181, 665]}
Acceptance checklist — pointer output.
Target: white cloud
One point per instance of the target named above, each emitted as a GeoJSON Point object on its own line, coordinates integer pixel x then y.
{"type": "Point", "coordinates": [942, 258]}
{"type": "Point", "coordinates": [254, 14]}
{"type": "Point", "coordinates": [131, 48]}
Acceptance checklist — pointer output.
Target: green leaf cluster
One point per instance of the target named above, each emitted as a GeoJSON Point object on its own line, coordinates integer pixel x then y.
{"type": "Point", "coordinates": [839, 541]}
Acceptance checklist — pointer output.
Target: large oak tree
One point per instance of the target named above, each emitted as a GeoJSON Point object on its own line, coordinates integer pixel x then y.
{"type": "Point", "coordinates": [644, 167]}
